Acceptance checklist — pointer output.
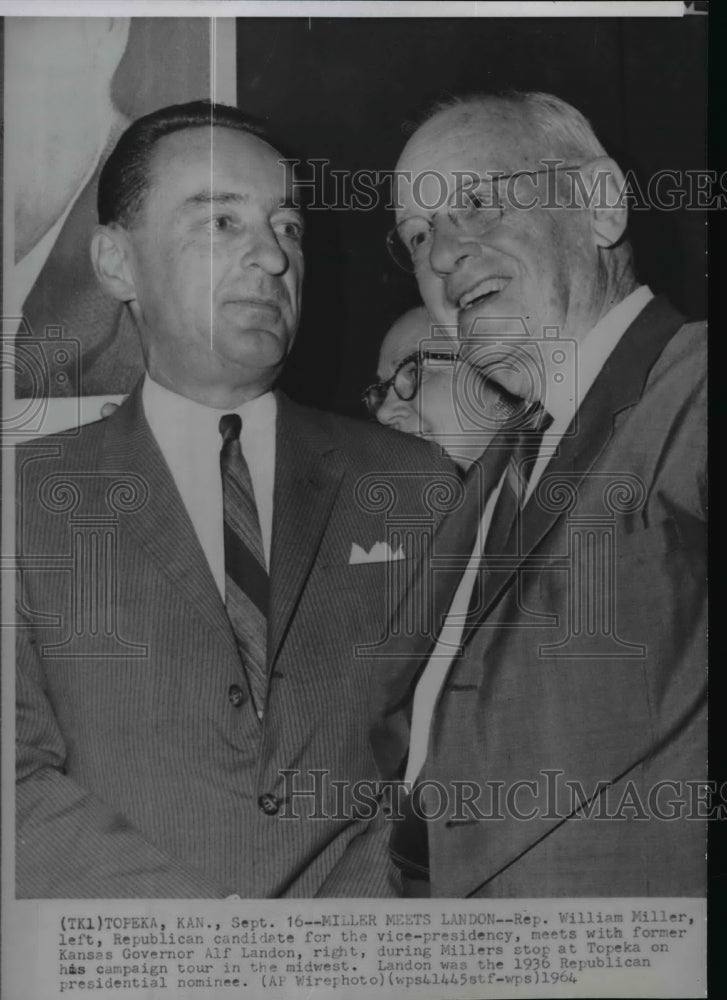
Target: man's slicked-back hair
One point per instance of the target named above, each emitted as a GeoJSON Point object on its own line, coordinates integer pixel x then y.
{"type": "Point", "coordinates": [562, 130]}
{"type": "Point", "coordinates": [125, 180]}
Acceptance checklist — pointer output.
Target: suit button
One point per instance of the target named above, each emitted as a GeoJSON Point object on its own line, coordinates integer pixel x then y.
{"type": "Point", "coordinates": [269, 803]}
{"type": "Point", "coordinates": [236, 695]}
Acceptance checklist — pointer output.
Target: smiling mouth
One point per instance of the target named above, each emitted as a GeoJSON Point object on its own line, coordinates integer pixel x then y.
{"type": "Point", "coordinates": [485, 291]}
{"type": "Point", "coordinates": [252, 303]}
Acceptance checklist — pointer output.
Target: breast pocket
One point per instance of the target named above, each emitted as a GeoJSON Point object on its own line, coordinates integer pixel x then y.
{"type": "Point", "coordinates": [363, 599]}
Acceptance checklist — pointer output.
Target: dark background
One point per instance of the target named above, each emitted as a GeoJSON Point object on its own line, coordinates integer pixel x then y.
{"type": "Point", "coordinates": [351, 90]}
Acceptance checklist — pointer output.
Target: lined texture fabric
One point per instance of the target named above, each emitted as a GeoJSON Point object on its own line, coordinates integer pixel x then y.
{"type": "Point", "coordinates": [616, 524]}
{"type": "Point", "coordinates": [456, 534]}
{"type": "Point", "coordinates": [140, 773]}
{"type": "Point", "coordinates": [409, 837]}
{"type": "Point", "coordinates": [503, 535]}
{"type": "Point", "coordinates": [246, 577]}
{"type": "Point", "coordinates": [515, 483]}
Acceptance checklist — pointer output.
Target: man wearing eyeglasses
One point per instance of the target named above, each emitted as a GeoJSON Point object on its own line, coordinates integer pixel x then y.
{"type": "Point", "coordinates": [556, 742]}
{"type": "Point", "coordinates": [425, 389]}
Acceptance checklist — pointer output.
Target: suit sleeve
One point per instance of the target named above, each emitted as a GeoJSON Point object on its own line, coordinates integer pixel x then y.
{"type": "Point", "coordinates": [365, 870]}
{"type": "Point", "coordinates": [69, 843]}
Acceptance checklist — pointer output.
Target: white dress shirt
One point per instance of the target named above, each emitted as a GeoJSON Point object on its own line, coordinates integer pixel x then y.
{"type": "Point", "coordinates": [592, 354]}
{"type": "Point", "coordinates": [190, 441]}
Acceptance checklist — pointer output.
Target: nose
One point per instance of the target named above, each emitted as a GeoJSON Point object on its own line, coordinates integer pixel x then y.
{"type": "Point", "coordinates": [394, 412]}
{"type": "Point", "coordinates": [263, 250]}
{"type": "Point", "coordinates": [450, 248]}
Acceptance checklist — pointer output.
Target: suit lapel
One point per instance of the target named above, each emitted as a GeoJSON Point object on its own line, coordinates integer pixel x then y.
{"type": "Point", "coordinates": [308, 476]}
{"type": "Point", "coordinates": [161, 526]}
{"type": "Point", "coordinates": [406, 655]}
{"type": "Point", "coordinates": [618, 386]}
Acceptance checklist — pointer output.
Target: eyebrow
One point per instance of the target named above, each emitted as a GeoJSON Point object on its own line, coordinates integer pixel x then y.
{"type": "Point", "coordinates": [216, 198]}
{"type": "Point", "coordinates": [233, 198]}
{"type": "Point", "coordinates": [409, 218]}
{"type": "Point", "coordinates": [396, 363]}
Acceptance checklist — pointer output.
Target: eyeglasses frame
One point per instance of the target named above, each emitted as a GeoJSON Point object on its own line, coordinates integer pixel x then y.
{"type": "Point", "coordinates": [393, 234]}
{"type": "Point", "coordinates": [383, 387]}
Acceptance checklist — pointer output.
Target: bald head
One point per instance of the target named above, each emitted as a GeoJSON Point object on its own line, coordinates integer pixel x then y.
{"type": "Point", "coordinates": [548, 126]}
{"type": "Point", "coordinates": [405, 336]}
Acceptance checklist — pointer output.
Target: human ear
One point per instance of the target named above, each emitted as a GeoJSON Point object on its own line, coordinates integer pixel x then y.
{"type": "Point", "coordinates": [606, 202]}
{"type": "Point", "coordinates": [110, 255]}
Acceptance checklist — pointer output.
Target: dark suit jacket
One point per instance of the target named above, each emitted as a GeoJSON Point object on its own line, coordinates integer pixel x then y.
{"type": "Point", "coordinates": [137, 774]}
{"type": "Point", "coordinates": [589, 660]}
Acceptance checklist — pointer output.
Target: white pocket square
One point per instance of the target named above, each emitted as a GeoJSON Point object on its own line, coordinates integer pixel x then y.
{"type": "Point", "coordinates": [380, 552]}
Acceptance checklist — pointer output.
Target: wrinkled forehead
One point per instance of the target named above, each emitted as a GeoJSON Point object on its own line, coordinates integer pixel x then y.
{"type": "Point", "coordinates": [457, 144]}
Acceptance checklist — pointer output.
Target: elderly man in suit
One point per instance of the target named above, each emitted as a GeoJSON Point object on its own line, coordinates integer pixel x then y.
{"type": "Point", "coordinates": [200, 570]}
{"type": "Point", "coordinates": [557, 740]}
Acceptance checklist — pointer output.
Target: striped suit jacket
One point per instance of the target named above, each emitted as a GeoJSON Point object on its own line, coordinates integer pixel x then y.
{"type": "Point", "coordinates": [139, 774]}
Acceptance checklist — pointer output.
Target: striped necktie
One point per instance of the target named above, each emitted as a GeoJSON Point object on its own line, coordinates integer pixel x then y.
{"type": "Point", "coordinates": [503, 535]}
{"type": "Point", "coordinates": [246, 577]}
{"type": "Point", "coordinates": [500, 535]}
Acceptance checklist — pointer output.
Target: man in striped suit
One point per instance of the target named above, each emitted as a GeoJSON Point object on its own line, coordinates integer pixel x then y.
{"type": "Point", "coordinates": [201, 572]}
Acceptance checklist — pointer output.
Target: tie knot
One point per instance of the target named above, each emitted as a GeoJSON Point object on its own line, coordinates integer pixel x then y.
{"type": "Point", "coordinates": [537, 418]}
{"type": "Point", "coordinates": [230, 427]}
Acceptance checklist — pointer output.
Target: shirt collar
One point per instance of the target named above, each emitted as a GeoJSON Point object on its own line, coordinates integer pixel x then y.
{"type": "Point", "coordinates": [173, 418]}
{"type": "Point", "coordinates": [591, 355]}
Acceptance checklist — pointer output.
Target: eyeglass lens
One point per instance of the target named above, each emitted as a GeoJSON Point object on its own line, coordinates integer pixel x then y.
{"type": "Point", "coordinates": [404, 381]}
{"type": "Point", "coordinates": [471, 211]}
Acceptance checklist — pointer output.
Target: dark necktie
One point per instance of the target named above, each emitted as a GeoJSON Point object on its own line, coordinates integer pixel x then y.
{"type": "Point", "coordinates": [517, 476]}
{"type": "Point", "coordinates": [246, 577]}
{"type": "Point", "coordinates": [440, 571]}
{"type": "Point", "coordinates": [503, 538]}
{"type": "Point", "coordinates": [513, 451]}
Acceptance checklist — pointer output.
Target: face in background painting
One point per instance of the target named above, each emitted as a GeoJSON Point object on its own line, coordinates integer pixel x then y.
{"type": "Point", "coordinates": [58, 77]}
{"type": "Point", "coordinates": [211, 265]}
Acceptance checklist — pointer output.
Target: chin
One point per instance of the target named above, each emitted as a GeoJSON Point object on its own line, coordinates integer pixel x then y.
{"type": "Point", "coordinates": [257, 347]}
{"type": "Point", "coordinates": [443, 315]}
{"type": "Point", "coordinates": [501, 316]}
